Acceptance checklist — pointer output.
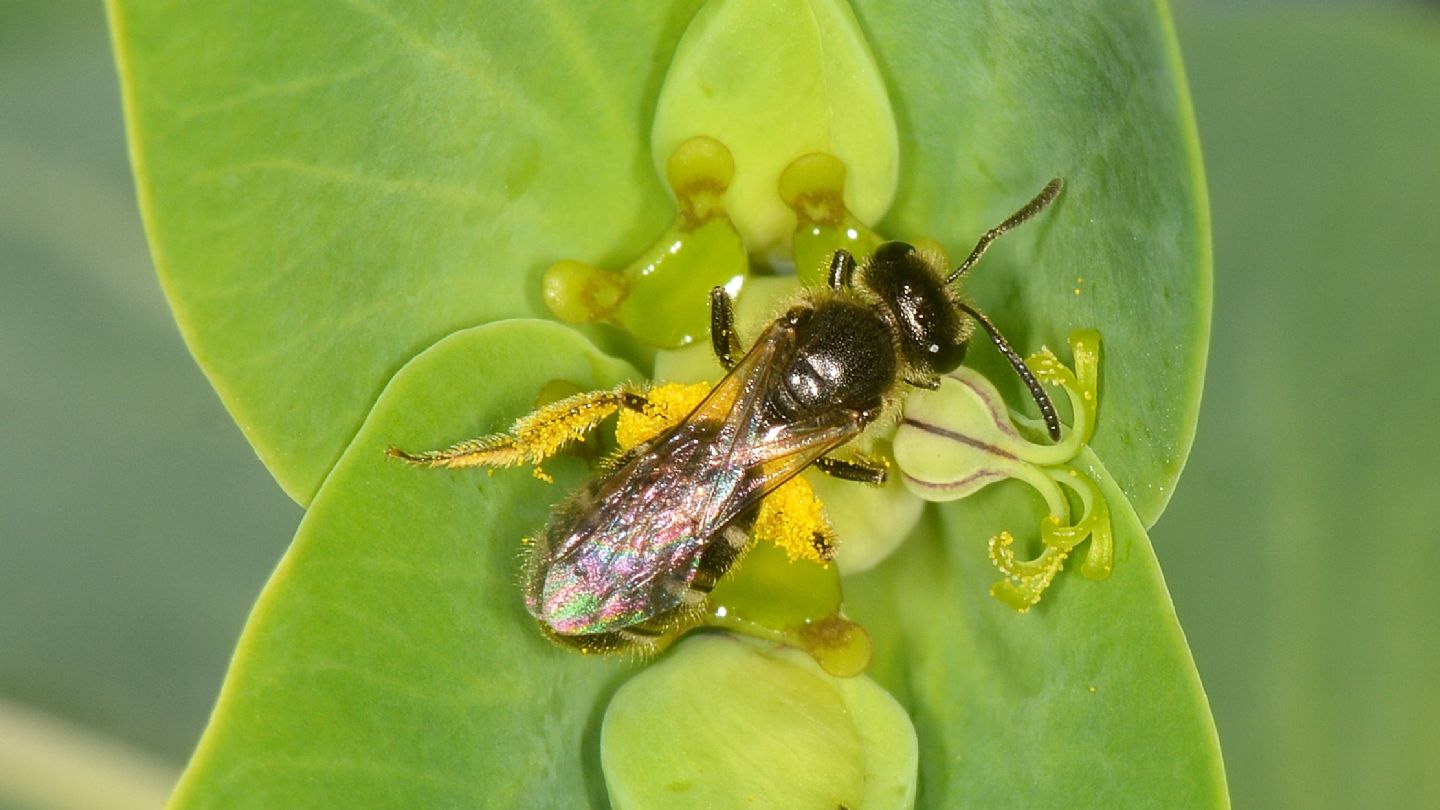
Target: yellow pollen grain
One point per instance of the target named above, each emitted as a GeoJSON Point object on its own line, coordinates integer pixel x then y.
{"type": "Point", "coordinates": [665, 406]}
{"type": "Point", "coordinates": [791, 517]}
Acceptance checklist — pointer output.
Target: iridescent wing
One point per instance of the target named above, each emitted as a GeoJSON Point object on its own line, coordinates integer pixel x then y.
{"type": "Point", "coordinates": [628, 550]}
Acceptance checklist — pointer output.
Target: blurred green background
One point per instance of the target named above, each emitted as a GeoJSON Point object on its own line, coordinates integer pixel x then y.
{"type": "Point", "coordinates": [136, 527]}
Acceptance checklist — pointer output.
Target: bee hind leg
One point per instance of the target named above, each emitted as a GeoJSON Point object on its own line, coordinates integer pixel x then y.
{"type": "Point", "coordinates": [532, 438]}
{"type": "Point", "coordinates": [722, 328]}
{"type": "Point", "coordinates": [842, 270]}
{"type": "Point", "coordinates": [863, 470]}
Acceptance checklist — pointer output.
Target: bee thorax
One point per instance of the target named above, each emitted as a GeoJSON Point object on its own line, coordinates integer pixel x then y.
{"type": "Point", "coordinates": [845, 357]}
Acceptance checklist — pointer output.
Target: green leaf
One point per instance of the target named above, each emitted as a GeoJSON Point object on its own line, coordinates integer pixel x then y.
{"type": "Point", "coordinates": [390, 661]}
{"type": "Point", "coordinates": [1089, 700]}
{"type": "Point", "coordinates": [329, 189]}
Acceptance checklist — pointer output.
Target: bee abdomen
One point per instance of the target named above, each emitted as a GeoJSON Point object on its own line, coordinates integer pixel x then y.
{"type": "Point", "coordinates": [718, 558]}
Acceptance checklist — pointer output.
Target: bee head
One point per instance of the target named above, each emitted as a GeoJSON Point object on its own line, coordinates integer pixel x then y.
{"type": "Point", "coordinates": [932, 329]}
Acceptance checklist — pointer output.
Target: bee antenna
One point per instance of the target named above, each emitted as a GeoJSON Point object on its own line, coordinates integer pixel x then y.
{"type": "Point", "coordinates": [1042, 399]}
{"type": "Point", "coordinates": [1046, 196]}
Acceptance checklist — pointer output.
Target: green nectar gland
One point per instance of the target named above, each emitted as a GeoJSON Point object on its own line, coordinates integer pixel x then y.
{"type": "Point", "coordinates": [662, 296]}
{"type": "Point", "coordinates": [813, 186]}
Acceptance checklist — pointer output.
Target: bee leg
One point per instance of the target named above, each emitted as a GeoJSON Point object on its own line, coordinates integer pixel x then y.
{"type": "Point", "coordinates": [716, 561]}
{"type": "Point", "coordinates": [863, 470]}
{"type": "Point", "coordinates": [842, 269]}
{"type": "Point", "coordinates": [722, 328]}
{"type": "Point", "coordinates": [928, 383]}
{"type": "Point", "coordinates": [631, 401]}
{"type": "Point", "coordinates": [615, 641]}
{"type": "Point", "coordinates": [532, 438]}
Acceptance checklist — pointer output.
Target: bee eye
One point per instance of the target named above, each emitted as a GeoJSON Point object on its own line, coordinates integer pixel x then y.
{"type": "Point", "coordinates": [947, 357]}
{"type": "Point", "coordinates": [892, 252]}
{"type": "Point", "coordinates": [797, 315]}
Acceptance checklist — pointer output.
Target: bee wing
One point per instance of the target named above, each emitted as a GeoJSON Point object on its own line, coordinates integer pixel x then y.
{"type": "Point", "coordinates": [793, 448]}
{"type": "Point", "coordinates": [629, 553]}
{"type": "Point", "coordinates": [748, 453]}
{"type": "Point", "coordinates": [734, 402]}
{"type": "Point", "coordinates": [766, 451]}
{"type": "Point", "coordinates": [632, 551]}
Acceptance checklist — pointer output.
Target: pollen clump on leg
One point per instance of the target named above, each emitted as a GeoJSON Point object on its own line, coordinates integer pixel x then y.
{"type": "Point", "coordinates": [665, 405]}
{"type": "Point", "coordinates": [532, 438]}
{"type": "Point", "coordinates": [793, 519]}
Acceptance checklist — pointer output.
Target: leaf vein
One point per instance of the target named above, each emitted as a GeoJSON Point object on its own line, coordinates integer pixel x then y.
{"type": "Point", "coordinates": [444, 193]}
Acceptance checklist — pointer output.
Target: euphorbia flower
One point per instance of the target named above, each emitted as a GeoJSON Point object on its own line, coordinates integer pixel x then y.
{"type": "Point", "coordinates": [353, 209]}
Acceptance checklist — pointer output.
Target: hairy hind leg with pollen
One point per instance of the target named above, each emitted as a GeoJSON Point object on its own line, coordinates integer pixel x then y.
{"type": "Point", "coordinates": [535, 437]}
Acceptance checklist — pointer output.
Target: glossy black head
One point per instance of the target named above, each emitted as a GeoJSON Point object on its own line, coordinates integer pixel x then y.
{"type": "Point", "coordinates": [932, 329]}
{"type": "Point", "coordinates": [843, 358]}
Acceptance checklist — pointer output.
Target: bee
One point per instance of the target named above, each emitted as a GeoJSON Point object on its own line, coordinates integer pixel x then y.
{"type": "Point", "coordinates": [629, 558]}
